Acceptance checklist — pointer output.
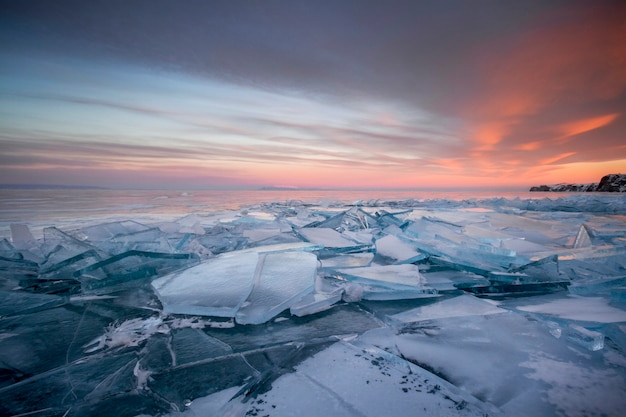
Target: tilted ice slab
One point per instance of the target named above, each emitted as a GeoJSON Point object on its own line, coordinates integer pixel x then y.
{"type": "Point", "coordinates": [461, 306]}
{"type": "Point", "coordinates": [329, 238]}
{"type": "Point", "coordinates": [316, 302]}
{"type": "Point", "coordinates": [393, 276]}
{"type": "Point", "coordinates": [282, 279]}
{"type": "Point", "coordinates": [251, 285]}
{"type": "Point", "coordinates": [393, 247]}
{"type": "Point", "coordinates": [217, 287]}
{"type": "Point", "coordinates": [385, 282]}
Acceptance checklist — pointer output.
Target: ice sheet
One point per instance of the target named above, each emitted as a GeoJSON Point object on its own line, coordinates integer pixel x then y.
{"type": "Point", "coordinates": [368, 382]}
{"type": "Point", "coordinates": [506, 306]}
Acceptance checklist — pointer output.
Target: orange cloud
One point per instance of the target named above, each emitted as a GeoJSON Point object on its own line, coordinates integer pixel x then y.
{"type": "Point", "coordinates": [489, 135]}
{"type": "Point", "coordinates": [556, 158]}
{"type": "Point", "coordinates": [585, 125]}
{"type": "Point", "coordinates": [529, 146]}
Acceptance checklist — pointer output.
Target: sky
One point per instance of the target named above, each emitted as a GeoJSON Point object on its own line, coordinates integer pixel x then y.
{"type": "Point", "coordinates": [312, 94]}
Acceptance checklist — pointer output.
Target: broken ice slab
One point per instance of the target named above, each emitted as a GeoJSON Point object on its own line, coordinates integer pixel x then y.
{"type": "Point", "coordinates": [284, 247]}
{"type": "Point", "coordinates": [392, 276]}
{"type": "Point", "coordinates": [62, 269]}
{"type": "Point", "coordinates": [316, 302]}
{"type": "Point", "coordinates": [583, 238]}
{"type": "Point", "coordinates": [282, 279]}
{"type": "Point", "coordinates": [462, 306]}
{"type": "Point", "coordinates": [451, 280]}
{"type": "Point", "coordinates": [65, 254]}
{"type": "Point", "coordinates": [129, 267]}
{"type": "Point", "coordinates": [222, 238]}
{"type": "Point", "coordinates": [330, 239]}
{"type": "Point", "coordinates": [13, 271]}
{"type": "Point", "coordinates": [586, 338]}
{"type": "Point", "coordinates": [543, 270]}
{"type": "Point", "coordinates": [402, 252]}
{"type": "Point", "coordinates": [21, 236]}
{"type": "Point", "coordinates": [384, 282]}
{"type": "Point", "coordinates": [350, 220]}
{"type": "Point", "coordinates": [8, 251]}
{"type": "Point", "coordinates": [268, 283]}
{"type": "Point", "coordinates": [191, 223]}
{"type": "Point", "coordinates": [351, 260]}
{"type": "Point", "coordinates": [149, 240]}
{"type": "Point", "coordinates": [104, 232]}
{"type": "Point", "coordinates": [216, 287]}
{"type": "Point", "coordinates": [356, 292]}
{"type": "Point", "coordinates": [597, 286]}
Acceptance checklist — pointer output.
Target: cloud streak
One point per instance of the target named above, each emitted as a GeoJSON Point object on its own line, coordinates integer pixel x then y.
{"type": "Point", "coordinates": [346, 94]}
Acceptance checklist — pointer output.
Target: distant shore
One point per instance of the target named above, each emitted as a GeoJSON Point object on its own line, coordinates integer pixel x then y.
{"type": "Point", "coordinates": [611, 183]}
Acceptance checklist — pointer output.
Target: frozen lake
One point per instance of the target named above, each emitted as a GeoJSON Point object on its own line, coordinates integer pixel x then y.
{"type": "Point", "coordinates": [310, 303]}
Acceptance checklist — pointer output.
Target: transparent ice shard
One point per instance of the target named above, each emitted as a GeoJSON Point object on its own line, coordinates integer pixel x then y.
{"type": "Point", "coordinates": [462, 306]}
{"type": "Point", "coordinates": [316, 302]}
{"type": "Point", "coordinates": [21, 236]}
{"type": "Point", "coordinates": [583, 240]}
{"type": "Point", "coordinates": [8, 251]}
{"type": "Point", "coordinates": [543, 270]}
{"type": "Point", "coordinates": [586, 338]}
{"type": "Point", "coordinates": [329, 238]}
{"type": "Point", "coordinates": [449, 280]}
{"type": "Point", "coordinates": [283, 279]}
{"type": "Point", "coordinates": [130, 268]}
{"type": "Point", "coordinates": [149, 240]}
{"type": "Point", "coordinates": [392, 276]}
{"type": "Point", "coordinates": [597, 285]}
{"type": "Point", "coordinates": [13, 271]}
{"type": "Point", "coordinates": [216, 287]}
{"type": "Point", "coordinates": [402, 252]}
{"type": "Point", "coordinates": [191, 223]}
{"type": "Point", "coordinates": [106, 231]}
{"type": "Point", "coordinates": [385, 282]}
{"type": "Point", "coordinates": [352, 220]}
{"type": "Point", "coordinates": [284, 247]}
{"type": "Point", "coordinates": [258, 234]}
{"type": "Point", "coordinates": [60, 247]}
{"type": "Point", "coordinates": [351, 260]}
{"type": "Point", "coordinates": [356, 292]}
{"type": "Point", "coordinates": [62, 269]}
{"type": "Point", "coordinates": [222, 238]}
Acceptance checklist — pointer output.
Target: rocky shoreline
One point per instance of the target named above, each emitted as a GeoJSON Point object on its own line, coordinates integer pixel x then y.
{"type": "Point", "coordinates": [612, 183]}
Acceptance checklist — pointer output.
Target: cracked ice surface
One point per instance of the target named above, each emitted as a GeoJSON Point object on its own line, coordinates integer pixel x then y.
{"type": "Point", "coordinates": [463, 308]}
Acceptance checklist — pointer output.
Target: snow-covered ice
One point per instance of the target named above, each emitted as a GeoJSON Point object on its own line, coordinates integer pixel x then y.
{"type": "Point", "coordinates": [499, 307]}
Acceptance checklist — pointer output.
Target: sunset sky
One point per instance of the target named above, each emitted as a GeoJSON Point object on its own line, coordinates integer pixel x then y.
{"type": "Point", "coordinates": [330, 94]}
